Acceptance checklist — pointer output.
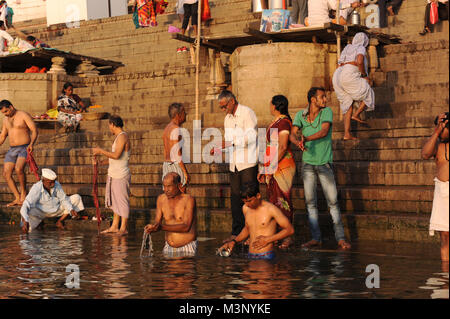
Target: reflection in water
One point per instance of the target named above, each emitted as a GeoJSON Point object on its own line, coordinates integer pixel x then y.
{"type": "Point", "coordinates": [114, 280]}
{"type": "Point", "coordinates": [34, 266]}
{"type": "Point", "coordinates": [439, 283]}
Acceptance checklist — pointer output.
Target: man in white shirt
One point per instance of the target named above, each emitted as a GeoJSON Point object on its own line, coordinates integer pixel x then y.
{"type": "Point", "coordinates": [47, 199]}
{"type": "Point", "coordinates": [5, 40]}
{"type": "Point", "coordinates": [241, 141]}
{"type": "Point", "coordinates": [318, 11]}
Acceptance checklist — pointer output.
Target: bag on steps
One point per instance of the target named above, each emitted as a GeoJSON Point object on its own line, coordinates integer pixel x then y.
{"type": "Point", "coordinates": [434, 15]}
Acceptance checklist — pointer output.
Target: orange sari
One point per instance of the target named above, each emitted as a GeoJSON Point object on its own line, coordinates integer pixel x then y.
{"type": "Point", "coordinates": [279, 188]}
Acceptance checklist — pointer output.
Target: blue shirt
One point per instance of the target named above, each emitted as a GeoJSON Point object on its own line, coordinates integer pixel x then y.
{"type": "Point", "coordinates": [40, 198]}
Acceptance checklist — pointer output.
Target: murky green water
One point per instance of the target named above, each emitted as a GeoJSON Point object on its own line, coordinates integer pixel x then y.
{"type": "Point", "coordinates": [34, 266]}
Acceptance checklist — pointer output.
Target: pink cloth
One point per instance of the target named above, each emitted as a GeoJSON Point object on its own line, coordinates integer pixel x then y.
{"type": "Point", "coordinates": [117, 195]}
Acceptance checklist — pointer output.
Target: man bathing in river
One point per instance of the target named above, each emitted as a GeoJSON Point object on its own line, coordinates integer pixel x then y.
{"type": "Point", "coordinates": [437, 146]}
{"type": "Point", "coordinates": [261, 221]}
{"type": "Point", "coordinates": [22, 132]}
{"type": "Point", "coordinates": [47, 199]}
{"type": "Point", "coordinates": [180, 219]}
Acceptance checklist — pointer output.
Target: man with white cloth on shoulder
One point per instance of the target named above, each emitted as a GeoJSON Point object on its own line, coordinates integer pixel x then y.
{"type": "Point", "coordinates": [319, 11]}
{"type": "Point", "coordinates": [47, 199]}
{"type": "Point", "coordinates": [351, 82]}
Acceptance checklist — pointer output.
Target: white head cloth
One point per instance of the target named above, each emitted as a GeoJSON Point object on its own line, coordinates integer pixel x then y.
{"type": "Point", "coordinates": [48, 174]}
{"type": "Point", "coordinates": [358, 46]}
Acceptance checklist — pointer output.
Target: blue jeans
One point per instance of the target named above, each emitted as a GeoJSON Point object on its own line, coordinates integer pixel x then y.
{"type": "Point", "coordinates": [326, 178]}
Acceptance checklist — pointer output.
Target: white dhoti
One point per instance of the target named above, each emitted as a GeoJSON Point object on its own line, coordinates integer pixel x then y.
{"type": "Point", "coordinates": [350, 86]}
{"type": "Point", "coordinates": [440, 211]}
{"type": "Point", "coordinates": [36, 216]}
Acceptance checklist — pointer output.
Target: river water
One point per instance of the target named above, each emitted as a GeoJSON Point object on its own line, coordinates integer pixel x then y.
{"type": "Point", "coordinates": [39, 265]}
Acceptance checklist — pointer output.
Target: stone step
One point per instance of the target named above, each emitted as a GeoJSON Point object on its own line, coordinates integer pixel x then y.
{"type": "Point", "coordinates": [404, 199]}
{"type": "Point", "coordinates": [395, 172]}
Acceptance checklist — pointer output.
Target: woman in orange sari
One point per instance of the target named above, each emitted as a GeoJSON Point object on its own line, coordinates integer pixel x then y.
{"type": "Point", "coordinates": [279, 164]}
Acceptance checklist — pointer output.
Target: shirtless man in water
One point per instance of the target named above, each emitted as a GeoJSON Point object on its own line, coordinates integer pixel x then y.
{"type": "Point", "coordinates": [180, 220]}
{"type": "Point", "coordinates": [261, 221]}
{"type": "Point", "coordinates": [173, 161]}
{"type": "Point", "coordinates": [437, 146]}
{"type": "Point", "coordinates": [22, 132]}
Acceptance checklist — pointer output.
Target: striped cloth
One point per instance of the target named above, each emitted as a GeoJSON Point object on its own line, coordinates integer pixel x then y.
{"type": "Point", "coordinates": [188, 250]}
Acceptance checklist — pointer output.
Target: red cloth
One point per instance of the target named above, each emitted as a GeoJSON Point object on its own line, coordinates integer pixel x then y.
{"type": "Point", "coordinates": [95, 195]}
{"type": "Point", "coordinates": [434, 15]}
{"type": "Point", "coordinates": [206, 11]}
{"type": "Point", "coordinates": [32, 164]}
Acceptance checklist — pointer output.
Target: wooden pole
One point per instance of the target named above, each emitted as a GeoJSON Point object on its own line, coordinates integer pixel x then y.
{"type": "Point", "coordinates": [338, 35]}
{"type": "Point", "coordinates": [197, 59]}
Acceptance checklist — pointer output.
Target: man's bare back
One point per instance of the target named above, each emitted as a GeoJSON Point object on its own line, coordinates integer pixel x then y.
{"type": "Point", "coordinates": [442, 167]}
{"type": "Point", "coordinates": [177, 211]}
{"type": "Point", "coordinates": [170, 143]}
{"type": "Point", "coordinates": [18, 128]}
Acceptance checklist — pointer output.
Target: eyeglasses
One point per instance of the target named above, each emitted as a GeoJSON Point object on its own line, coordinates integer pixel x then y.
{"type": "Point", "coordinates": [222, 107]}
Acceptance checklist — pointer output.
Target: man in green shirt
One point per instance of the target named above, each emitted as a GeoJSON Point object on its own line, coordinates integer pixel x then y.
{"type": "Point", "coordinates": [315, 123]}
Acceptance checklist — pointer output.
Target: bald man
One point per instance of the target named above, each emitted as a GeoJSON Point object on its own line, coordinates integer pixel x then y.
{"type": "Point", "coordinates": [180, 220]}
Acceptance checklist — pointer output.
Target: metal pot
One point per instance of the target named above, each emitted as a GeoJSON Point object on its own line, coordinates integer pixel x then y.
{"type": "Point", "coordinates": [355, 18]}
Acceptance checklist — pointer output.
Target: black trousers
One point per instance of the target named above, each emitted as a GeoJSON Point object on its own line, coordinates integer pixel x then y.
{"type": "Point", "coordinates": [190, 10]}
{"type": "Point", "coordinates": [383, 5]}
{"type": "Point", "coordinates": [442, 12]}
{"type": "Point", "coordinates": [237, 179]}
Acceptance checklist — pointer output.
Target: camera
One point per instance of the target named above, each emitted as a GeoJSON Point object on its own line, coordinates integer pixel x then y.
{"type": "Point", "coordinates": [443, 120]}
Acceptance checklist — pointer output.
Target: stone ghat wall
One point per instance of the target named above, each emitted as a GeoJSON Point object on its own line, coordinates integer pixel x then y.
{"type": "Point", "coordinates": [385, 189]}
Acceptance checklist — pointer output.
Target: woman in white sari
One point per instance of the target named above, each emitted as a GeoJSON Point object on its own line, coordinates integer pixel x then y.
{"type": "Point", "coordinates": [351, 82]}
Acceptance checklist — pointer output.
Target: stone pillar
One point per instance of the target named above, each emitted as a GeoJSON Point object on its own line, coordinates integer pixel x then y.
{"type": "Point", "coordinates": [216, 76]}
{"type": "Point", "coordinates": [373, 56]}
{"type": "Point", "coordinates": [86, 69]}
{"type": "Point", "coordinates": [58, 64]}
{"type": "Point", "coordinates": [261, 71]}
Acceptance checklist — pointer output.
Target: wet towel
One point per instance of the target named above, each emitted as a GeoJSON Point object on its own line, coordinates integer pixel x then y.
{"type": "Point", "coordinates": [440, 211]}
{"type": "Point", "coordinates": [188, 250]}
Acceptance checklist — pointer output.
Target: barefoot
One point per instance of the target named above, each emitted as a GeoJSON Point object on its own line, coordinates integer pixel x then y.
{"type": "Point", "coordinates": [110, 230]}
{"type": "Point", "coordinates": [311, 244]}
{"type": "Point", "coordinates": [229, 239]}
{"type": "Point", "coordinates": [391, 11]}
{"type": "Point", "coordinates": [122, 233]}
{"type": "Point", "coordinates": [59, 225]}
{"type": "Point", "coordinates": [357, 119]}
{"type": "Point", "coordinates": [349, 138]}
{"type": "Point", "coordinates": [22, 198]}
{"type": "Point", "coordinates": [16, 202]}
{"type": "Point", "coordinates": [343, 245]}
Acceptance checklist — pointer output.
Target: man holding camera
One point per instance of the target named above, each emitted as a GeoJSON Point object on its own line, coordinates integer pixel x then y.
{"type": "Point", "coordinates": [437, 146]}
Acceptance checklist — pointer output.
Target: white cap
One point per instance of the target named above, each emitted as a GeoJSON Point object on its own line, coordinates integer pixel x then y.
{"type": "Point", "coordinates": [48, 174]}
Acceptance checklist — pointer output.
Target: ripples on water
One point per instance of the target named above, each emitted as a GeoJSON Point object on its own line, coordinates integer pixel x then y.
{"type": "Point", "coordinates": [34, 266]}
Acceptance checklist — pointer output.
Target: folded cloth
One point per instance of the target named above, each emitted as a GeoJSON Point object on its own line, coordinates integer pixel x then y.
{"type": "Point", "coordinates": [440, 211]}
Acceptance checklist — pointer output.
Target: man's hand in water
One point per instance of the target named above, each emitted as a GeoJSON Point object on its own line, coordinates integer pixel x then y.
{"type": "Point", "coordinates": [25, 227]}
{"type": "Point", "coordinates": [151, 228]}
{"type": "Point", "coordinates": [261, 242]}
{"type": "Point", "coordinates": [229, 245]}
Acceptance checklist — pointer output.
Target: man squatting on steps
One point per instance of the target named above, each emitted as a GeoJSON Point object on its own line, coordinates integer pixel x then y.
{"type": "Point", "coordinates": [22, 132]}
{"type": "Point", "coordinates": [180, 219]}
{"type": "Point", "coordinates": [173, 161]}
{"type": "Point", "coordinates": [117, 193]}
{"type": "Point", "coordinates": [437, 146]}
{"type": "Point", "coordinates": [47, 199]}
